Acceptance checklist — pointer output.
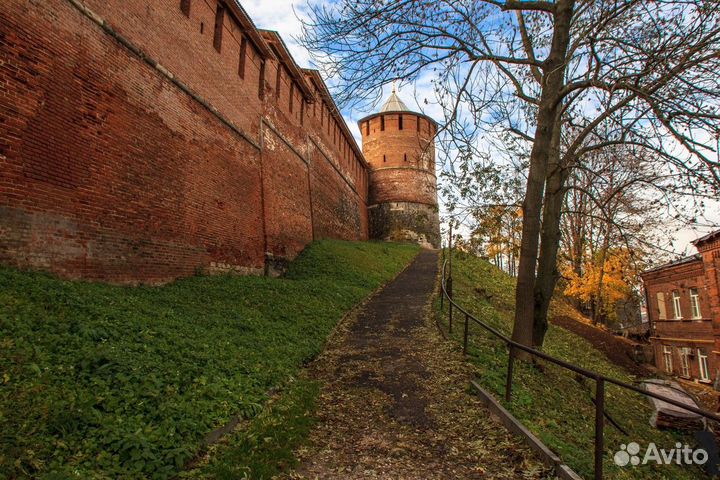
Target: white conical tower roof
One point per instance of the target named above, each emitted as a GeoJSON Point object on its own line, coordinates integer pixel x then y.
{"type": "Point", "coordinates": [394, 104]}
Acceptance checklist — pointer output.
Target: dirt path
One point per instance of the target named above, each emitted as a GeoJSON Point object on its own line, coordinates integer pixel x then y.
{"type": "Point", "coordinates": [395, 402]}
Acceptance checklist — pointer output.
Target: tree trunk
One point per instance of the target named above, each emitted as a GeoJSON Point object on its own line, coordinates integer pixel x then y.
{"type": "Point", "coordinates": [554, 75]}
{"type": "Point", "coordinates": [548, 274]}
{"type": "Point", "coordinates": [601, 277]}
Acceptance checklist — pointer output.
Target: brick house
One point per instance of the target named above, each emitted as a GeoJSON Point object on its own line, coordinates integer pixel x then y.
{"type": "Point", "coordinates": [683, 302]}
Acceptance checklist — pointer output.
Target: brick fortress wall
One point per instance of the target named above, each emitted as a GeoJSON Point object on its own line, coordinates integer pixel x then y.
{"type": "Point", "coordinates": [144, 141]}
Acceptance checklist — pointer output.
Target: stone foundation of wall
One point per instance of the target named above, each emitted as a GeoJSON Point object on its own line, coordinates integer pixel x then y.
{"type": "Point", "coordinates": [405, 222]}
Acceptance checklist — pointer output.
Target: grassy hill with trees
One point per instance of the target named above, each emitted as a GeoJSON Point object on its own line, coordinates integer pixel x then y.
{"type": "Point", "coordinates": [101, 381]}
{"type": "Point", "coordinates": [554, 404]}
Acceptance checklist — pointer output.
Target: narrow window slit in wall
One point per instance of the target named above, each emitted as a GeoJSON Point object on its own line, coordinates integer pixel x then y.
{"type": "Point", "coordinates": [418, 124]}
{"type": "Point", "coordinates": [185, 7]}
{"type": "Point", "coordinates": [384, 159]}
{"type": "Point", "coordinates": [261, 88]}
{"type": "Point", "coordinates": [243, 55]}
{"type": "Point", "coordinates": [400, 122]}
{"type": "Point", "coordinates": [367, 128]}
{"type": "Point", "coordinates": [382, 124]}
{"type": "Point", "coordinates": [278, 78]}
{"type": "Point", "coordinates": [219, 20]}
{"type": "Point", "coordinates": [202, 28]}
{"type": "Point", "coordinates": [405, 157]}
{"type": "Point", "coordinates": [292, 94]}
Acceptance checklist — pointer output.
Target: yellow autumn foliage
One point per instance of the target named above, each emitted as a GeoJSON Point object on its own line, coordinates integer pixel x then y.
{"type": "Point", "coordinates": [615, 272]}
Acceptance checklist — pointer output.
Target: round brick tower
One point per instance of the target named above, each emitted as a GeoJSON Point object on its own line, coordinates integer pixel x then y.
{"type": "Point", "coordinates": [399, 147]}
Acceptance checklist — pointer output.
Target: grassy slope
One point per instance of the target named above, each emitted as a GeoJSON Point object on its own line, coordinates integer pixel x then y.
{"type": "Point", "coordinates": [105, 381]}
{"type": "Point", "coordinates": [552, 403]}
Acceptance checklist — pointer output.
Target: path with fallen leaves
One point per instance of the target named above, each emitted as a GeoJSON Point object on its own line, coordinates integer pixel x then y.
{"type": "Point", "coordinates": [395, 401]}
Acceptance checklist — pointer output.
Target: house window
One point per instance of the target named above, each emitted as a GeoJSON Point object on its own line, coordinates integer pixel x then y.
{"type": "Point", "coordinates": [667, 356]}
{"type": "Point", "coordinates": [685, 362]}
{"type": "Point", "coordinates": [662, 313]}
{"type": "Point", "coordinates": [695, 303]}
{"type": "Point", "coordinates": [703, 369]}
{"type": "Point", "coordinates": [703, 366]}
{"type": "Point", "coordinates": [219, 20]}
{"type": "Point", "coordinates": [676, 304]}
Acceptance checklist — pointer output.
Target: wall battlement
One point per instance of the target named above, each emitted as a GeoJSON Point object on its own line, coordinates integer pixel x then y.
{"type": "Point", "coordinates": [142, 142]}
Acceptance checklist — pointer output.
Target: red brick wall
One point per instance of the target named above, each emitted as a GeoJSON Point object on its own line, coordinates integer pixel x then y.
{"type": "Point", "coordinates": [109, 170]}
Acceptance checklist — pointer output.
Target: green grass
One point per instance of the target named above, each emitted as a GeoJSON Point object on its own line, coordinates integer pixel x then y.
{"type": "Point", "coordinates": [550, 401]}
{"type": "Point", "coordinates": [100, 381]}
{"type": "Point", "coordinates": [265, 447]}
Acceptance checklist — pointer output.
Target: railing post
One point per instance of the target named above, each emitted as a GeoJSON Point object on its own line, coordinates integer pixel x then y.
{"type": "Point", "coordinates": [508, 381]}
{"type": "Point", "coordinates": [599, 425]}
{"type": "Point", "coordinates": [465, 334]}
{"type": "Point", "coordinates": [442, 282]}
{"type": "Point", "coordinates": [442, 295]}
{"type": "Point", "coordinates": [448, 284]}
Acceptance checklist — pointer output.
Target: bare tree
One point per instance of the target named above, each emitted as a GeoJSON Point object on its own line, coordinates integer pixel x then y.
{"type": "Point", "coordinates": [551, 74]}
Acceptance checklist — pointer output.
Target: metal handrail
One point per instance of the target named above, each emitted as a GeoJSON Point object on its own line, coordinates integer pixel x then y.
{"type": "Point", "coordinates": [599, 378]}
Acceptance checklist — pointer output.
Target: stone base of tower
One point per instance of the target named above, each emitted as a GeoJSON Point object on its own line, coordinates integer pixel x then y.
{"type": "Point", "coordinates": [405, 222]}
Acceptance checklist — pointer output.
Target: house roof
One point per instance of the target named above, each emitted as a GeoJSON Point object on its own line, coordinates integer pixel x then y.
{"type": "Point", "coordinates": [681, 261]}
{"type": "Point", "coordinates": [706, 238]}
